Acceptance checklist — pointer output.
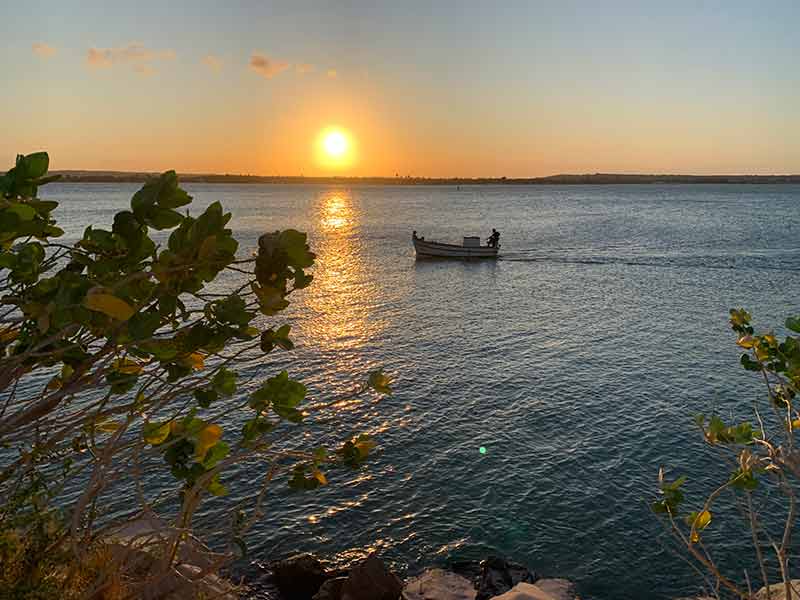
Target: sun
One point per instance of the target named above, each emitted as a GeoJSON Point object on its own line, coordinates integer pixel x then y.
{"type": "Point", "coordinates": [335, 143]}
{"type": "Point", "coordinates": [335, 148]}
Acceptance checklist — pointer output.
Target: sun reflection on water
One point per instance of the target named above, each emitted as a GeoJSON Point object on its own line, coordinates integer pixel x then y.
{"type": "Point", "coordinates": [344, 291]}
{"type": "Point", "coordinates": [336, 213]}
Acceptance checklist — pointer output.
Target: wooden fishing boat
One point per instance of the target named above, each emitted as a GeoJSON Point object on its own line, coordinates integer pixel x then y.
{"type": "Point", "coordinates": [471, 248]}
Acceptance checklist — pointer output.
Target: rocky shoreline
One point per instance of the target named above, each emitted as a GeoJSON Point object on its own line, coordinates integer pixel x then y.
{"type": "Point", "coordinates": [305, 577]}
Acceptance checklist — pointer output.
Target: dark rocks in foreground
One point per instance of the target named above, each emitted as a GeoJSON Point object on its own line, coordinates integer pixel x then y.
{"type": "Point", "coordinates": [331, 589]}
{"type": "Point", "coordinates": [299, 577]}
{"type": "Point", "coordinates": [371, 580]}
{"type": "Point", "coordinates": [304, 577]}
{"type": "Point", "coordinates": [499, 575]}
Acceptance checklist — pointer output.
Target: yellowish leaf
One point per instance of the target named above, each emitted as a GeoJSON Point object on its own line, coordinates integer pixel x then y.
{"type": "Point", "coordinates": [208, 436]}
{"type": "Point", "coordinates": [155, 434]}
{"type": "Point", "coordinates": [195, 360]}
{"type": "Point", "coordinates": [127, 366]}
{"type": "Point", "coordinates": [109, 305]}
{"type": "Point", "coordinates": [364, 447]}
{"type": "Point", "coordinates": [54, 384]}
{"type": "Point", "coordinates": [746, 341]}
{"type": "Point", "coordinates": [695, 537]}
{"type": "Point", "coordinates": [8, 334]}
{"type": "Point", "coordinates": [702, 520]}
{"type": "Point", "coordinates": [107, 426]}
{"type": "Point", "coordinates": [320, 476]}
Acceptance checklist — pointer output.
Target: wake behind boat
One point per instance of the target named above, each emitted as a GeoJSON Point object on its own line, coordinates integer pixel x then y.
{"type": "Point", "coordinates": [471, 248]}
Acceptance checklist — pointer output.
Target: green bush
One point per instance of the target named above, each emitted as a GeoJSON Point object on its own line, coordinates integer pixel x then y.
{"type": "Point", "coordinates": [760, 454]}
{"type": "Point", "coordinates": [114, 349]}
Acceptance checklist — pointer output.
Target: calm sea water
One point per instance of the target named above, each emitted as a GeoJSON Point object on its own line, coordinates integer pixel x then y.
{"type": "Point", "coordinates": [577, 360]}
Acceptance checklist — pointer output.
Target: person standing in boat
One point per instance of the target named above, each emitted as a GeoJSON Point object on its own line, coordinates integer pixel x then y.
{"type": "Point", "coordinates": [494, 239]}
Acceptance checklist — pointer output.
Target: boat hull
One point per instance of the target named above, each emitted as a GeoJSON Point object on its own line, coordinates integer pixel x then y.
{"type": "Point", "coordinates": [436, 250]}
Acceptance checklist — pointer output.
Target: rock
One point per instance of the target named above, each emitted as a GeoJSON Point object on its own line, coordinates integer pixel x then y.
{"type": "Point", "coordinates": [331, 589]}
{"type": "Point", "coordinates": [299, 577]}
{"type": "Point", "coordinates": [777, 591]}
{"type": "Point", "coordinates": [499, 575]}
{"type": "Point", "coordinates": [470, 569]}
{"type": "Point", "coordinates": [371, 580]}
{"type": "Point", "coordinates": [437, 584]}
{"type": "Point", "coordinates": [525, 591]}
{"type": "Point", "coordinates": [559, 589]}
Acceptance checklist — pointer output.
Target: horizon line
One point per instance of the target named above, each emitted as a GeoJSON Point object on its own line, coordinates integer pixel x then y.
{"type": "Point", "coordinates": [113, 175]}
{"type": "Point", "coordinates": [147, 172]}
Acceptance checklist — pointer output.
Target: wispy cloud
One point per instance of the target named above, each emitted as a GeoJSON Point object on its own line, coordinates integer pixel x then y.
{"type": "Point", "coordinates": [44, 50]}
{"type": "Point", "coordinates": [303, 68]}
{"type": "Point", "coordinates": [265, 66]}
{"type": "Point", "coordinates": [332, 73]}
{"type": "Point", "coordinates": [134, 54]}
{"type": "Point", "coordinates": [212, 62]}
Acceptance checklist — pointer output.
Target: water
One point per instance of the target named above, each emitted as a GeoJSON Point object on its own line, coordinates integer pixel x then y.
{"type": "Point", "coordinates": [577, 360]}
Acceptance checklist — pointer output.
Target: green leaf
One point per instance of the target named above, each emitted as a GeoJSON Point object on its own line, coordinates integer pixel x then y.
{"type": "Point", "coordinates": [162, 191]}
{"type": "Point", "coordinates": [224, 382]}
{"type": "Point", "coordinates": [793, 323]}
{"type": "Point", "coordinates": [270, 339]}
{"type": "Point", "coordinates": [34, 165]}
{"type": "Point", "coordinates": [164, 218]}
{"type": "Point", "coordinates": [215, 488]}
{"type": "Point", "coordinates": [380, 382]}
{"type": "Point", "coordinates": [143, 325]}
{"type": "Point", "coordinates": [205, 397]}
{"type": "Point", "coordinates": [748, 363]}
{"type": "Point", "coordinates": [254, 428]}
{"type": "Point", "coordinates": [294, 244]}
{"type": "Point", "coordinates": [23, 211]}
{"type": "Point", "coordinates": [283, 394]}
{"type": "Point", "coordinates": [744, 480]}
{"type": "Point", "coordinates": [215, 454]}
{"type": "Point", "coordinates": [231, 310]}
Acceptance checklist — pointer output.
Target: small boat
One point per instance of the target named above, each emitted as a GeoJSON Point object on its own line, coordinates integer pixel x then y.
{"type": "Point", "coordinates": [471, 248]}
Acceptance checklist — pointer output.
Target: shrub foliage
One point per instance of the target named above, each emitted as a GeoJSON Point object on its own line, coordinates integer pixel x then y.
{"type": "Point", "coordinates": [122, 346]}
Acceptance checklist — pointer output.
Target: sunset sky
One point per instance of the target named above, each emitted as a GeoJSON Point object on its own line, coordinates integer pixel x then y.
{"type": "Point", "coordinates": [418, 88]}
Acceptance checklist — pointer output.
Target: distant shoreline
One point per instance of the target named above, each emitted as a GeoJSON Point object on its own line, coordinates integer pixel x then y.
{"type": "Point", "coordinates": [594, 179]}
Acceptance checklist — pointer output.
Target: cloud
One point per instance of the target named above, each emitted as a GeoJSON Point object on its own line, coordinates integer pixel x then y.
{"type": "Point", "coordinates": [265, 66]}
{"type": "Point", "coordinates": [134, 54]}
{"type": "Point", "coordinates": [332, 73]}
{"type": "Point", "coordinates": [212, 62]}
{"type": "Point", "coordinates": [303, 68]}
{"type": "Point", "coordinates": [44, 50]}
